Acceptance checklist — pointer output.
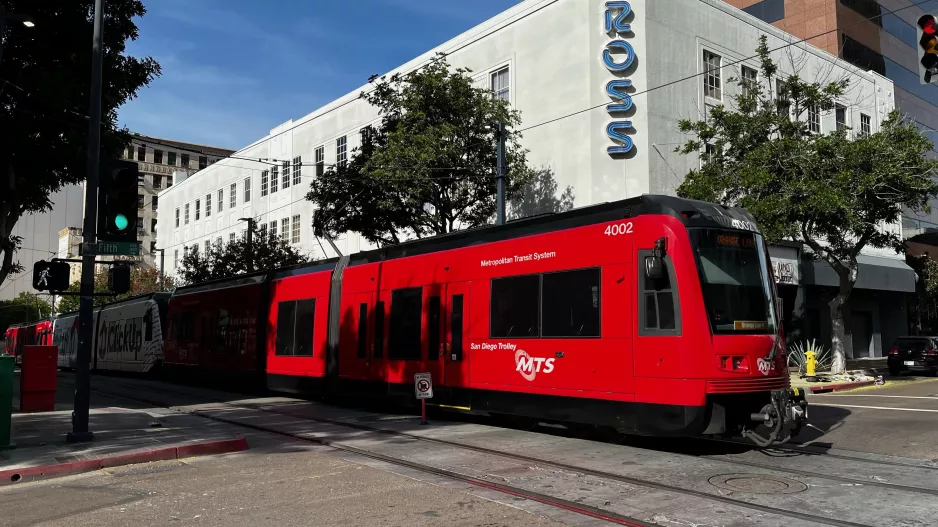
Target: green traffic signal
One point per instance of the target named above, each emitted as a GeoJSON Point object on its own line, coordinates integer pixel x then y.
{"type": "Point", "coordinates": [120, 221]}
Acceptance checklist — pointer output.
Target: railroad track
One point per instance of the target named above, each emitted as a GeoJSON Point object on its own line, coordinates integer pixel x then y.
{"type": "Point", "coordinates": [578, 508]}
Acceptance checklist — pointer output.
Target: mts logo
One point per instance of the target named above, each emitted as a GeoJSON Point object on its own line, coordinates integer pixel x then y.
{"type": "Point", "coordinates": [529, 366]}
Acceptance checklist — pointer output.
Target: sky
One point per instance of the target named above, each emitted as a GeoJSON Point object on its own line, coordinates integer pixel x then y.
{"type": "Point", "coordinates": [234, 69]}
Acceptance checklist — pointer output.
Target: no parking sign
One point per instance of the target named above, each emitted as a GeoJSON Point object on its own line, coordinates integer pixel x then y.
{"type": "Point", "coordinates": [423, 385]}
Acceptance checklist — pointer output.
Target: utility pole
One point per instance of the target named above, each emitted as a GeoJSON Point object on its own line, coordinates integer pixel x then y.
{"type": "Point", "coordinates": [500, 203]}
{"type": "Point", "coordinates": [80, 432]}
{"type": "Point", "coordinates": [250, 243]}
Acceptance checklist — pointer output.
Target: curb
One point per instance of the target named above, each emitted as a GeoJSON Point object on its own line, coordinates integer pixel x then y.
{"type": "Point", "coordinates": [25, 474]}
{"type": "Point", "coordinates": [835, 387]}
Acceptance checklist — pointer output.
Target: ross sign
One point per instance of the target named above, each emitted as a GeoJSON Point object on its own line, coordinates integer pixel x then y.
{"type": "Point", "coordinates": [423, 385]}
{"type": "Point", "coordinates": [614, 23]}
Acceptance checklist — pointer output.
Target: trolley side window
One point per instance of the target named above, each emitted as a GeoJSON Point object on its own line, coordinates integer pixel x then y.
{"type": "Point", "coordinates": [570, 304]}
{"type": "Point", "coordinates": [658, 313]}
{"type": "Point", "coordinates": [305, 323]}
{"type": "Point", "coordinates": [456, 327]}
{"type": "Point", "coordinates": [379, 329]}
{"type": "Point", "coordinates": [286, 324]}
{"type": "Point", "coordinates": [406, 313]}
{"type": "Point", "coordinates": [433, 331]}
{"type": "Point", "coordinates": [515, 308]}
{"type": "Point", "coordinates": [362, 330]}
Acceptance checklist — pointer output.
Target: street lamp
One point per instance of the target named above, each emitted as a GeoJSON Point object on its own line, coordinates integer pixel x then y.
{"type": "Point", "coordinates": [250, 243]}
{"type": "Point", "coordinates": [18, 17]}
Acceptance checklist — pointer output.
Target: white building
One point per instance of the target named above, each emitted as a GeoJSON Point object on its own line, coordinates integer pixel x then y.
{"type": "Point", "coordinates": [557, 62]}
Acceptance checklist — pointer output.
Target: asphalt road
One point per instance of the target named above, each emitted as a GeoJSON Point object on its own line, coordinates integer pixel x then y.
{"type": "Point", "coordinates": [898, 419]}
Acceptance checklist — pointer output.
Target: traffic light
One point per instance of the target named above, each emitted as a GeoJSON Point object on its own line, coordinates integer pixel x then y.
{"type": "Point", "coordinates": [50, 276]}
{"type": "Point", "coordinates": [118, 278]}
{"type": "Point", "coordinates": [928, 48]}
{"type": "Point", "coordinates": [117, 201]}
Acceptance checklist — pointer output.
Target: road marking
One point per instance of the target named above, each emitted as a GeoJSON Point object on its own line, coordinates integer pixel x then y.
{"type": "Point", "coordinates": [870, 395]}
{"type": "Point", "coordinates": [874, 407]}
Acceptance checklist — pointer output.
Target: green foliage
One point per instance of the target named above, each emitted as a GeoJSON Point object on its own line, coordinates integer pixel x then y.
{"type": "Point", "coordinates": [237, 257]}
{"type": "Point", "coordinates": [143, 280]}
{"type": "Point", "coordinates": [45, 86]}
{"type": "Point", "coordinates": [26, 307]}
{"type": "Point", "coordinates": [923, 312]}
{"type": "Point", "coordinates": [539, 196]}
{"type": "Point", "coordinates": [429, 168]}
{"type": "Point", "coordinates": [831, 191]}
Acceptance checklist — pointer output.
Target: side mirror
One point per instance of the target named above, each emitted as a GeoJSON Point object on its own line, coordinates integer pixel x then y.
{"type": "Point", "coordinates": [654, 267]}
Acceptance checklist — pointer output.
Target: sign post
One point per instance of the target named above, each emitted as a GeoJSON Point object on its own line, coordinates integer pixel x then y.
{"type": "Point", "coordinates": [423, 386]}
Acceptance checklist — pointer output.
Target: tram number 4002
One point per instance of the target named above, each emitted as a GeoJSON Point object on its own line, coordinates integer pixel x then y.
{"type": "Point", "coordinates": [619, 228]}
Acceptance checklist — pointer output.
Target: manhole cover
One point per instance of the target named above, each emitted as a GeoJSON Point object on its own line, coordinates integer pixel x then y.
{"type": "Point", "coordinates": [758, 484]}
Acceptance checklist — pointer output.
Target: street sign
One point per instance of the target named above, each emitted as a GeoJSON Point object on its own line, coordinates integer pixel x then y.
{"type": "Point", "coordinates": [423, 385]}
{"type": "Point", "coordinates": [116, 248]}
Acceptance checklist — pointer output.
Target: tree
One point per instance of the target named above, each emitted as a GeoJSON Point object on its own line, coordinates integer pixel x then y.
{"type": "Point", "coordinates": [26, 307]}
{"type": "Point", "coordinates": [237, 257]}
{"type": "Point", "coordinates": [539, 196]}
{"type": "Point", "coordinates": [829, 191]}
{"type": "Point", "coordinates": [143, 280]}
{"type": "Point", "coordinates": [44, 92]}
{"type": "Point", "coordinates": [429, 168]}
{"type": "Point", "coordinates": [924, 311]}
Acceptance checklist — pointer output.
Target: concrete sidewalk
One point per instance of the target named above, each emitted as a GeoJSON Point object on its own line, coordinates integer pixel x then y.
{"type": "Point", "coordinates": [123, 435]}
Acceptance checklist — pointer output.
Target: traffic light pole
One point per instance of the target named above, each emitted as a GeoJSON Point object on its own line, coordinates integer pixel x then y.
{"type": "Point", "coordinates": [80, 431]}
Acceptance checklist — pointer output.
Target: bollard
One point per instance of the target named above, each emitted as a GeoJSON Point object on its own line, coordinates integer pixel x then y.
{"type": "Point", "coordinates": [6, 400]}
{"type": "Point", "coordinates": [810, 364]}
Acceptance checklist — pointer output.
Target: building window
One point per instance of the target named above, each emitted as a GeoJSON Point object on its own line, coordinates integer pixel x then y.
{"type": "Point", "coordinates": [768, 10]}
{"type": "Point", "coordinates": [840, 117]}
{"type": "Point", "coordinates": [247, 189]}
{"type": "Point", "coordinates": [139, 201]}
{"type": "Point", "coordinates": [198, 209]}
{"type": "Point", "coordinates": [274, 178]}
{"type": "Point", "coordinates": [286, 175]}
{"type": "Point", "coordinates": [750, 79]}
{"type": "Point", "coordinates": [184, 160]}
{"type": "Point", "coordinates": [157, 182]}
{"type": "Point", "coordinates": [295, 235]}
{"type": "Point", "coordinates": [175, 258]}
{"type": "Point", "coordinates": [285, 229]}
{"type": "Point", "coordinates": [218, 242]}
{"type": "Point", "coordinates": [158, 157]}
{"type": "Point", "coordinates": [262, 230]}
{"type": "Point", "coordinates": [782, 102]}
{"type": "Point", "coordinates": [406, 314]}
{"type": "Point", "coordinates": [295, 328]}
{"type": "Point", "coordinates": [265, 178]}
{"type": "Point", "coordinates": [221, 200]}
{"type": "Point", "coordinates": [712, 76]}
{"type": "Point", "coordinates": [141, 153]}
{"type": "Point", "coordinates": [169, 181]}
{"type": "Point", "coordinates": [320, 161]}
{"type": "Point", "coordinates": [297, 170]}
{"type": "Point", "coordinates": [233, 196]}
{"type": "Point", "coordinates": [187, 214]}
{"type": "Point", "coordinates": [865, 128]}
{"type": "Point", "coordinates": [208, 204]}
{"type": "Point", "coordinates": [515, 307]}
{"type": "Point", "coordinates": [203, 162]}
{"type": "Point", "coordinates": [710, 150]}
{"type": "Point", "coordinates": [231, 237]}
{"type": "Point", "coordinates": [340, 151]}
{"type": "Point", "coordinates": [814, 119]}
{"type": "Point", "coordinates": [129, 153]}
{"type": "Point", "coordinates": [171, 158]}
{"type": "Point", "coordinates": [155, 203]}
{"type": "Point", "coordinates": [177, 217]}
{"type": "Point", "coordinates": [500, 84]}
{"type": "Point", "coordinates": [208, 247]}
{"type": "Point", "coordinates": [153, 225]}
{"type": "Point", "coordinates": [273, 230]}
{"type": "Point", "coordinates": [140, 226]}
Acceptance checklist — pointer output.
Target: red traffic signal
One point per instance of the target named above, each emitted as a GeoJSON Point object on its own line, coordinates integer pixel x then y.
{"type": "Point", "coordinates": [928, 44]}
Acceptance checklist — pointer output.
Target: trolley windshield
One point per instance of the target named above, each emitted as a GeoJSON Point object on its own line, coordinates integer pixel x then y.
{"type": "Point", "coordinates": [734, 276]}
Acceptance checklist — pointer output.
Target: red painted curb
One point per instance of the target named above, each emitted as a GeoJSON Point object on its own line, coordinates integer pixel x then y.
{"type": "Point", "coordinates": [22, 475]}
{"type": "Point", "coordinates": [839, 386]}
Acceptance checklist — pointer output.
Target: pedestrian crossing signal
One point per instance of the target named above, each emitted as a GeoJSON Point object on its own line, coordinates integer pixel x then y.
{"type": "Point", "coordinates": [50, 276]}
{"type": "Point", "coordinates": [928, 48]}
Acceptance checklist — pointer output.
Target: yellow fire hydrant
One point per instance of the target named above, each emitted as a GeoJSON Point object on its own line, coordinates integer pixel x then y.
{"type": "Point", "coordinates": [810, 363]}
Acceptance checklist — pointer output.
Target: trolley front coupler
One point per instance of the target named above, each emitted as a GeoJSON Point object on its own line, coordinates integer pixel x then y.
{"type": "Point", "coordinates": [783, 416]}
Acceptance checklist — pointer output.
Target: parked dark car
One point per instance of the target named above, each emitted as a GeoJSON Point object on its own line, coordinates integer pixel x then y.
{"type": "Point", "coordinates": [919, 354]}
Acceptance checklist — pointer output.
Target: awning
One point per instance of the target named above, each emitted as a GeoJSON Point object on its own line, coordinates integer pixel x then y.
{"type": "Point", "coordinates": [883, 274]}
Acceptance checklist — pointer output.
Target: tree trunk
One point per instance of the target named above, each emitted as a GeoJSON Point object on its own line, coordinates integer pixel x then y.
{"type": "Point", "coordinates": [848, 277]}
